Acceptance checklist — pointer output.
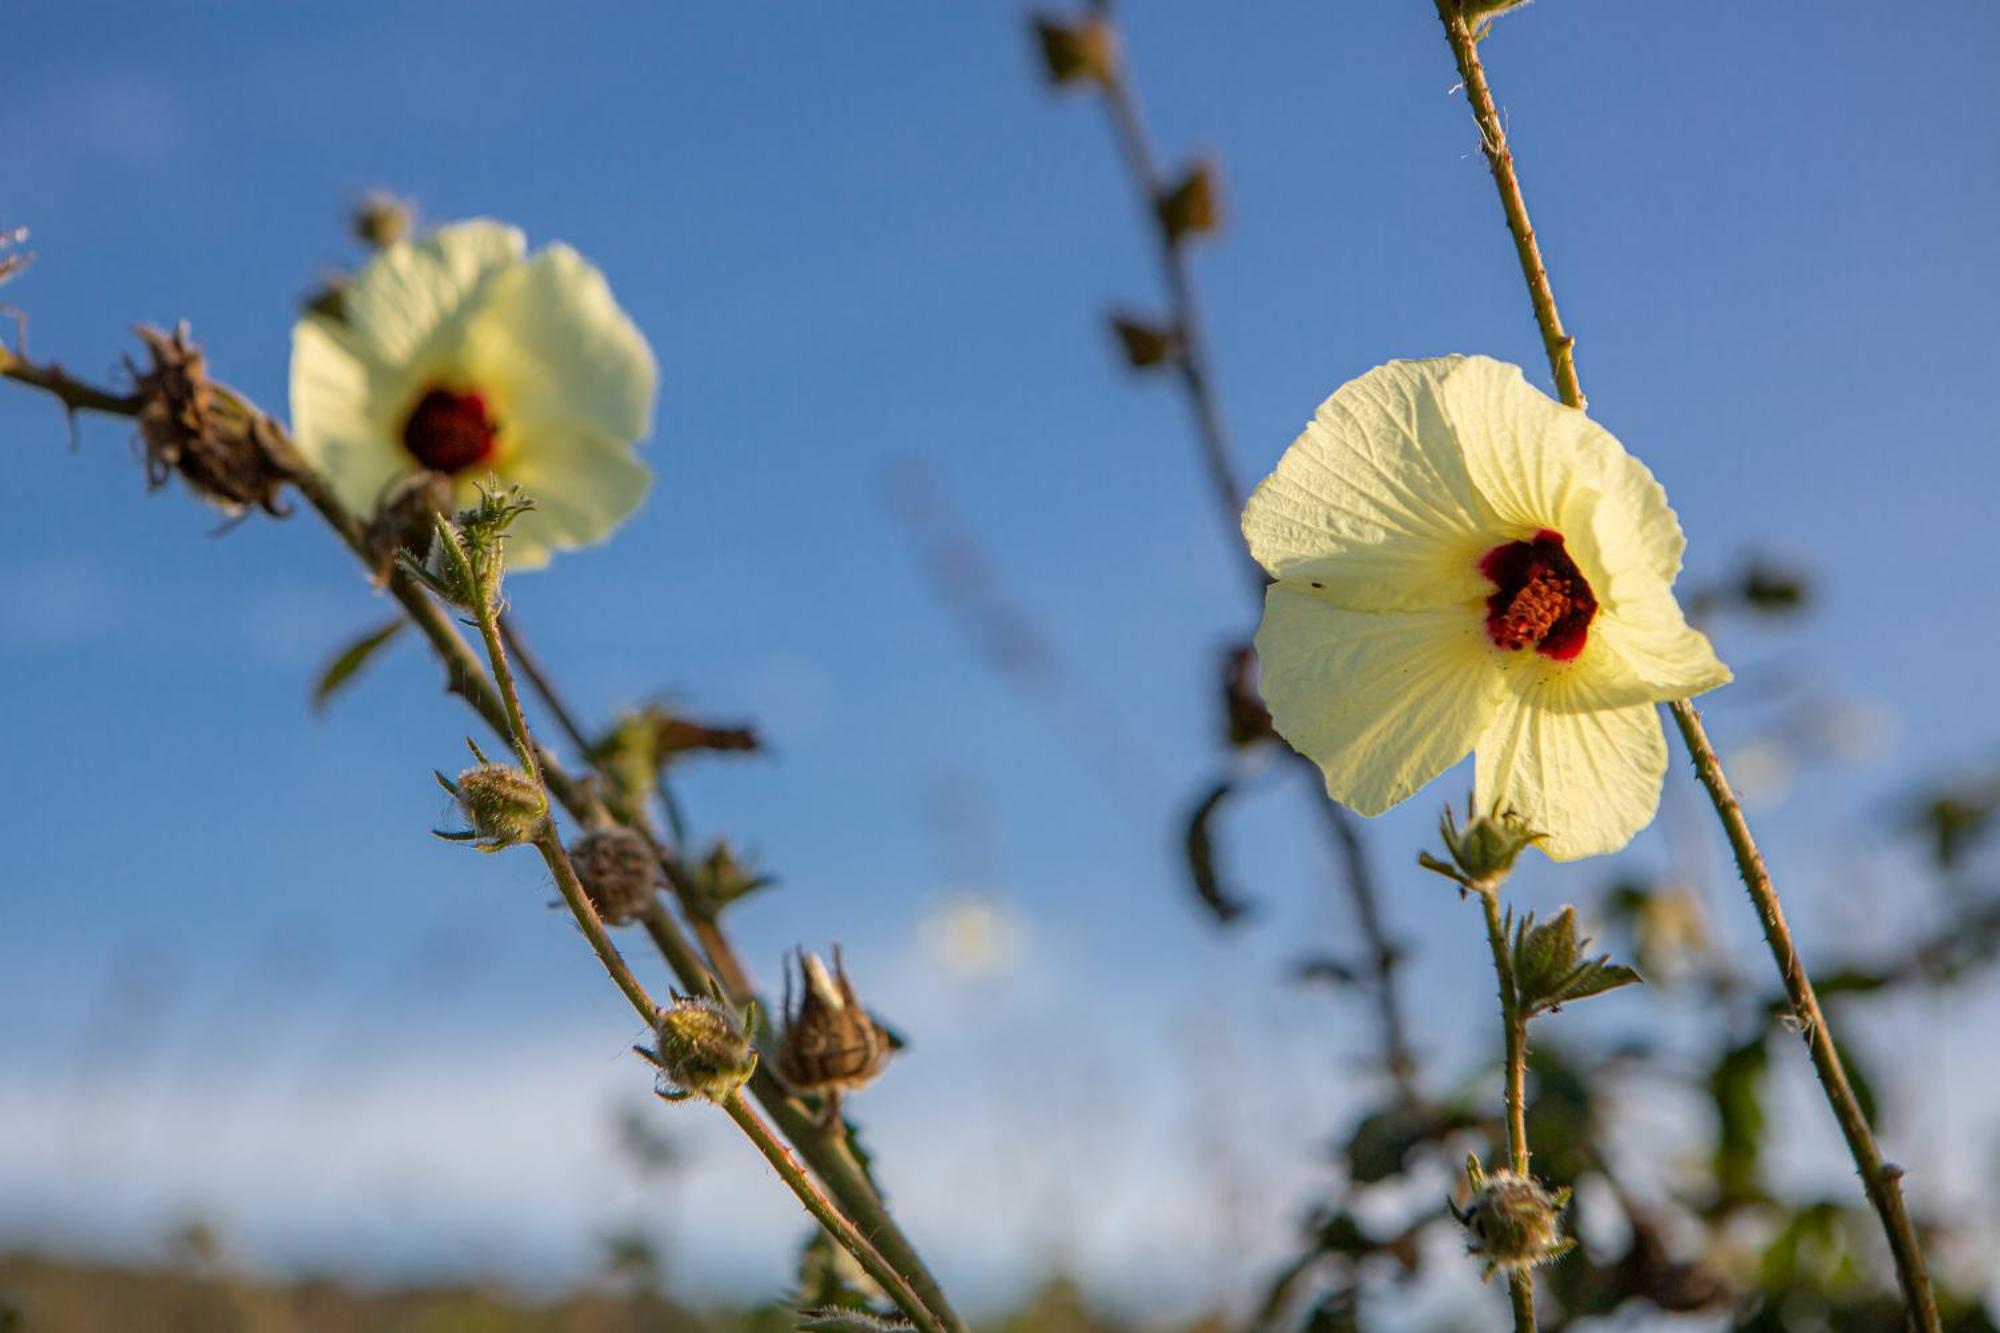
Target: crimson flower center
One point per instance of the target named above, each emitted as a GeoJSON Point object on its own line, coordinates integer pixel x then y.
{"type": "Point", "coordinates": [1540, 598]}
{"type": "Point", "coordinates": [449, 431]}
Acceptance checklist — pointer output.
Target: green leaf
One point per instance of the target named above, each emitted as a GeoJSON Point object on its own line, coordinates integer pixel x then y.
{"type": "Point", "coordinates": [1550, 971]}
{"type": "Point", "coordinates": [349, 661]}
{"type": "Point", "coordinates": [1736, 1087]}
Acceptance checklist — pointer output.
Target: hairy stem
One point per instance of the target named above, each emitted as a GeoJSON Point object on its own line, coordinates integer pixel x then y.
{"type": "Point", "coordinates": [1193, 365]}
{"type": "Point", "coordinates": [467, 677]}
{"type": "Point", "coordinates": [1520, 1282]}
{"type": "Point", "coordinates": [549, 844]}
{"type": "Point", "coordinates": [1881, 1180]}
{"type": "Point", "coordinates": [831, 1218]}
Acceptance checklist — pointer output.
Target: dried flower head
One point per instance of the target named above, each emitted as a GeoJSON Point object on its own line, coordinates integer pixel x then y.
{"type": "Point", "coordinates": [702, 1048]}
{"type": "Point", "coordinates": [218, 443]}
{"type": "Point", "coordinates": [831, 1044]}
{"type": "Point", "coordinates": [503, 805]}
{"type": "Point", "coordinates": [618, 871]}
{"type": "Point", "coordinates": [1512, 1221]}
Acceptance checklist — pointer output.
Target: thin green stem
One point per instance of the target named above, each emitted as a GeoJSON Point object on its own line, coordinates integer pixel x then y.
{"type": "Point", "coordinates": [836, 1223]}
{"type": "Point", "coordinates": [1520, 1281]}
{"type": "Point", "coordinates": [1881, 1180]}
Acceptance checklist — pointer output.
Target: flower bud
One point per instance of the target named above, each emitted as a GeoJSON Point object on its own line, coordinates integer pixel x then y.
{"type": "Point", "coordinates": [503, 805]}
{"type": "Point", "coordinates": [1484, 851]}
{"type": "Point", "coordinates": [1550, 969]}
{"type": "Point", "coordinates": [1085, 52]}
{"type": "Point", "coordinates": [702, 1049]}
{"type": "Point", "coordinates": [190, 425]}
{"type": "Point", "coordinates": [618, 871]}
{"type": "Point", "coordinates": [1512, 1221]}
{"type": "Point", "coordinates": [380, 220]}
{"type": "Point", "coordinates": [1144, 343]}
{"type": "Point", "coordinates": [830, 1044]}
{"type": "Point", "coordinates": [1191, 207]}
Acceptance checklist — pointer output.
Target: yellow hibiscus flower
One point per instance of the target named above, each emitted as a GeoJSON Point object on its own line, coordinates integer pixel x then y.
{"type": "Point", "coordinates": [1463, 563]}
{"type": "Point", "coordinates": [458, 354]}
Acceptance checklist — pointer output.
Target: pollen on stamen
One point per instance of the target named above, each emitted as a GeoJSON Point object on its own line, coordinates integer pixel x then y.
{"type": "Point", "coordinates": [449, 431]}
{"type": "Point", "coordinates": [1540, 597]}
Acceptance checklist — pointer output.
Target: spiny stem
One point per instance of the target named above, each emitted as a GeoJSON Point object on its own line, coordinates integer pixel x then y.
{"type": "Point", "coordinates": [549, 843]}
{"type": "Point", "coordinates": [1880, 1180]}
{"type": "Point", "coordinates": [1192, 363]}
{"type": "Point", "coordinates": [1520, 1282]}
{"type": "Point", "coordinates": [467, 677]}
{"type": "Point", "coordinates": [831, 1218]}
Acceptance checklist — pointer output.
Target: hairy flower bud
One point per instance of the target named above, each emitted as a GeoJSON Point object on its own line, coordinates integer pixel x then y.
{"type": "Point", "coordinates": [1482, 852]}
{"type": "Point", "coordinates": [702, 1049]}
{"type": "Point", "coordinates": [1512, 1221]}
{"type": "Point", "coordinates": [503, 805]}
{"type": "Point", "coordinates": [830, 1044]}
{"type": "Point", "coordinates": [190, 425]}
{"type": "Point", "coordinates": [618, 871]}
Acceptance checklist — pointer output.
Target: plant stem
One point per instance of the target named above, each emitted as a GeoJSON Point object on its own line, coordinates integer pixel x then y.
{"type": "Point", "coordinates": [831, 1218]}
{"type": "Point", "coordinates": [1520, 1281]}
{"type": "Point", "coordinates": [1881, 1180]}
{"type": "Point", "coordinates": [549, 843]}
{"type": "Point", "coordinates": [1192, 363]}
{"type": "Point", "coordinates": [467, 677]}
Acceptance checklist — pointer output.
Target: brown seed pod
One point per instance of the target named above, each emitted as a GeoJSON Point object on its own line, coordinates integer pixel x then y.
{"type": "Point", "coordinates": [830, 1044]}
{"type": "Point", "coordinates": [618, 871]}
{"type": "Point", "coordinates": [193, 426]}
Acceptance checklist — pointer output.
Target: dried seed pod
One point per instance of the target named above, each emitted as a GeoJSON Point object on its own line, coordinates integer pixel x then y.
{"type": "Point", "coordinates": [618, 871]}
{"type": "Point", "coordinates": [1085, 52]}
{"type": "Point", "coordinates": [830, 1044]}
{"type": "Point", "coordinates": [191, 425]}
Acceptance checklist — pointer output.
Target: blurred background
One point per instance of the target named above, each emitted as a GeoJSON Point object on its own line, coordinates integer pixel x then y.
{"type": "Point", "coordinates": [917, 520]}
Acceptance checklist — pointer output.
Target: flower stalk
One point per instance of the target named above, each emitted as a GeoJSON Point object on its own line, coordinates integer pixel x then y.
{"type": "Point", "coordinates": [1880, 1179]}
{"type": "Point", "coordinates": [548, 842]}
{"type": "Point", "coordinates": [826, 1151]}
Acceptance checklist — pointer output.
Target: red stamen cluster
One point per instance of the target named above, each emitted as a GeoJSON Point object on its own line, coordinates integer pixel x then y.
{"type": "Point", "coordinates": [449, 432]}
{"type": "Point", "coordinates": [1540, 597]}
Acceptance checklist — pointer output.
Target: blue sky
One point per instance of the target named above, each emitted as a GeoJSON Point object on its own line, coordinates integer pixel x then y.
{"type": "Point", "coordinates": [868, 245]}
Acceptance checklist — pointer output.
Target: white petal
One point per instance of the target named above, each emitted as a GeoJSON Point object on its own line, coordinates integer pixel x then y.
{"type": "Point", "coordinates": [1587, 775]}
{"type": "Point", "coordinates": [1655, 643]}
{"type": "Point", "coordinates": [339, 393]}
{"type": "Point", "coordinates": [583, 485]}
{"type": "Point", "coordinates": [409, 302]}
{"type": "Point", "coordinates": [1382, 701]}
{"type": "Point", "coordinates": [1374, 502]}
{"type": "Point", "coordinates": [550, 342]}
{"type": "Point", "coordinates": [1528, 455]}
